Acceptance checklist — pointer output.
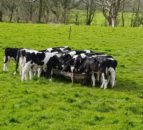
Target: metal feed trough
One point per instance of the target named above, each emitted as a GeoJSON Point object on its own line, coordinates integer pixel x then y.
{"type": "Point", "coordinates": [72, 76]}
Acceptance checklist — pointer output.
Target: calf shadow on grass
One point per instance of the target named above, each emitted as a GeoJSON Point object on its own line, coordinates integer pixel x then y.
{"type": "Point", "coordinates": [63, 79]}
{"type": "Point", "coordinates": [122, 85]}
{"type": "Point", "coordinates": [128, 86]}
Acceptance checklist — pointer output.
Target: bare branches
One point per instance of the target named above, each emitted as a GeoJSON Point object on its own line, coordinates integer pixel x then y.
{"type": "Point", "coordinates": [110, 9]}
{"type": "Point", "coordinates": [90, 6]}
{"type": "Point", "coordinates": [59, 11]}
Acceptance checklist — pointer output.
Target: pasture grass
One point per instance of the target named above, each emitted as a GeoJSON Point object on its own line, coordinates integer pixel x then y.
{"type": "Point", "coordinates": [43, 105]}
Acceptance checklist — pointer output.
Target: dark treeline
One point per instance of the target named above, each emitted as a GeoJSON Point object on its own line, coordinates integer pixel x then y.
{"type": "Point", "coordinates": [58, 11]}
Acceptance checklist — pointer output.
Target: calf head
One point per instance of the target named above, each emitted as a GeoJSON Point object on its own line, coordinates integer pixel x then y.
{"type": "Point", "coordinates": [54, 63]}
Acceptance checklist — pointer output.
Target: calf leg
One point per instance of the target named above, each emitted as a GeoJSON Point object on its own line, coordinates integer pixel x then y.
{"type": "Point", "coordinates": [93, 79]}
{"type": "Point", "coordinates": [5, 66]}
{"type": "Point", "coordinates": [21, 65]}
{"type": "Point", "coordinates": [30, 74]}
{"type": "Point", "coordinates": [72, 77]}
{"type": "Point", "coordinates": [104, 81]}
{"type": "Point", "coordinates": [112, 79]}
{"type": "Point", "coordinates": [51, 75]}
{"type": "Point", "coordinates": [39, 72]}
{"type": "Point", "coordinates": [25, 70]}
{"type": "Point", "coordinates": [23, 74]}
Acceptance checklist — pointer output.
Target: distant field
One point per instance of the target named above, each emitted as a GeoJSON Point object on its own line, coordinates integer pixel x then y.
{"type": "Point", "coordinates": [99, 19]}
{"type": "Point", "coordinates": [43, 105]}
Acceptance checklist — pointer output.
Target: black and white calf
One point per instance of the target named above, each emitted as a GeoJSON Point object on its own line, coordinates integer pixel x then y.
{"type": "Point", "coordinates": [70, 55]}
{"type": "Point", "coordinates": [9, 53]}
{"type": "Point", "coordinates": [21, 58]}
{"type": "Point", "coordinates": [107, 69]}
{"type": "Point", "coordinates": [39, 60]}
{"type": "Point", "coordinates": [73, 62]}
{"type": "Point", "coordinates": [102, 68]}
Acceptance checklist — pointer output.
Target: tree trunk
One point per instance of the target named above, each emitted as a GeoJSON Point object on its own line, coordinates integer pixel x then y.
{"type": "Point", "coordinates": [64, 17]}
{"type": "Point", "coordinates": [40, 10]}
{"type": "Point", "coordinates": [89, 19]}
{"type": "Point", "coordinates": [123, 21]}
{"type": "Point", "coordinates": [132, 18]}
{"type": "Point", "coordinates": [113, 22]}
{"type": "Point", "coordinates": [88, 22]}
{"type": "Point", "coordinates": [11, 15]}
{"type": "Point", "coordinates": [47, 15]}
{"type": "Point", "coordinates": [87, 13]}
{"type": "Point", "coordinates": [109, 21]}
{"type": "Point", "coordinates": [1, 15]}
{"type": "Point", "coordinates": [18, 16]}
{"type": "Point", "coordinates": [77, 18]}
{"type": "Point", "coordinates": [90, 15]}
{"type": "Point", "coordinates": [31, 12]}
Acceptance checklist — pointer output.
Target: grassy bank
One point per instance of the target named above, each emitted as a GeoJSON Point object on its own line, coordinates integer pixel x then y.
{"type": "Point", "coordinates": [40, 104]}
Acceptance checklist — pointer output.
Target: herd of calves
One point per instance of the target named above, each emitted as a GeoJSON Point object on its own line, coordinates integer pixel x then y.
{"type": "Point", "coordinates": [99, 68]}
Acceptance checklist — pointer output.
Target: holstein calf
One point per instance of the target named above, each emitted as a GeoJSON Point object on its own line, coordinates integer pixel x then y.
{"type": "Point", "coordinates": [41, 60]}
{"type": "Point", "coordinates": [10, 53]}
{"type": "Point", "coordinates": [21, 58]}
{"type": "Point", "coordinates": [69, 57]}
{"type": "Point", "coordinates": [104, 67]}
{"type": "Point", "coordinates": [73, 63]}
{"type": "Point", "coordinates": [108, 72]}
{"type": "Point", "coordinates": [66, 57]}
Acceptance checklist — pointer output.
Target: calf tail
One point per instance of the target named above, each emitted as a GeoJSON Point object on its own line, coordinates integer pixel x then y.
{"type": "Point", "coordinates": [113, 76]}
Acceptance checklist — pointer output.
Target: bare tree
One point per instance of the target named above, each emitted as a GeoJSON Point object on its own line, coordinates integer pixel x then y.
{"type": "Point", "coordinates": [67, 5]}
{"type": "Point", "coordinates": [29, 7]}
{"type": "Point", "coordinates": [1, 15]}
{"type": "Point", "coordinates": [77, 18]}
{"type": "Point", "coordinates": [46, 10]}
{"type": "Point", "coordinates": [11, 7]}
{"type": "Point", "coordinates": [123, 9]}
{"type": "Point", "coordinates": [61, 8]}
{"type": "Point", "coordinates": [39, 7]}
{"type": "Point", "coordinates": [40, 11]}
{"type": "Point", "coordinates": [90, 10]}
{"type": "Point", "coordinates": [110, 10]}
{"type": "Point", "coordinates": [55, 8]}
{"type": "Point", "coordinates": [137, 18]}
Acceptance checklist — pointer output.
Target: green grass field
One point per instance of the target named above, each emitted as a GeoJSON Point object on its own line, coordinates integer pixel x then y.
{"type": "Point", "coordinates": [43, 105]}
